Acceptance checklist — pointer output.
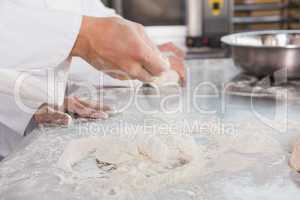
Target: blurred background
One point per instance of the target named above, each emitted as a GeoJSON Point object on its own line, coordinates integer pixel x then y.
{"type": "Point", "coordinates": [201, 23]}
{"type": "Point", "coordinates": [248, 14]}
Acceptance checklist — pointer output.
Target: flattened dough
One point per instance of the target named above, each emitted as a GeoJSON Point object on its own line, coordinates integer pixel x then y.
{"type": "Point", "coordinates": [114, 150]}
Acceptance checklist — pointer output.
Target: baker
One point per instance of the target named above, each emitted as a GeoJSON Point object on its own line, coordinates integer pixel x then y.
{"type": "Point", "coordinates": [38, 39]}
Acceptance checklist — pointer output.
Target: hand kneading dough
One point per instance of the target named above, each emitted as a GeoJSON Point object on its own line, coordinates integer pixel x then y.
{"type": "Point", "coordinates": [168, 77]}
{"type": "Point", "coordinates": [295, 158]}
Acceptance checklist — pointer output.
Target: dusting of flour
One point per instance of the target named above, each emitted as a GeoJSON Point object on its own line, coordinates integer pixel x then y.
{"type": "Point", "coordinates": [151, 162]}
{"type": "Point", "coordinates": [142, 161]}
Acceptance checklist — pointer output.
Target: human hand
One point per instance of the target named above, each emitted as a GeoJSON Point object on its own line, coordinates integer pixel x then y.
{"type": "Point", "coordinates": [119, 47]}
{"type": "Point", "coordinates": [83, 109]}
{"type": "Point", "coordinates": [86, 109]}
{"type": "Point", "coordinates": [176, 59]}
{"type": "Point", "coordinates": [49, 115]}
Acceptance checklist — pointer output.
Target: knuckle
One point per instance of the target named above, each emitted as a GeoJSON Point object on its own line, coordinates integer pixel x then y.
{"type": "Point", "coordinates": [138, 52]}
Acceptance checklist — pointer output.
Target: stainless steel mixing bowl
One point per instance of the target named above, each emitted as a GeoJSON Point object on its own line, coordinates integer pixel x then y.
{"type": "Point", "coordinates": [262, 53]}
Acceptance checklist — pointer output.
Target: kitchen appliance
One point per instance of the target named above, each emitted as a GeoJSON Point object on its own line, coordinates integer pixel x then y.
{"type": "Point", "coordinates": [208, 21]}
{"type": "Point", "coordinates": [152, 13]}
{"type": "Point", "coordinates": [245, 15]}
{"type": "Point", "coordinates": [263, 53]}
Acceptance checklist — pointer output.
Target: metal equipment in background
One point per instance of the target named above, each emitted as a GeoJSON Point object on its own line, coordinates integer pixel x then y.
{"type": "Point", "coordinates": [263, 53]}
{"type": "Point", "coordinates": [208, 21]}
{"type": "Point", "coordinates": [151, 13]}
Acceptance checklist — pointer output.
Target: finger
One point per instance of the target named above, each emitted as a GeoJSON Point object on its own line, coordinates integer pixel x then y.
{"type": "Point", "coordinates": [176, 61]}
{"type": "Point", "coordinates": [60, 118]}
{"type": "Point", "coordinates": [116, 73]}
{"type": "Point", "coordinates": [154, 62]}
{"type": "Point", "coordinates": [178, 66]}
{"type": "Point", "coordinates": [86, 110]}
{"type": "Point", "coordinates": [119, 77]}
{"type": "Point", "coordinates": [150, 57]}
{"type": "Point", "coordinates": [99, 107]}
{"type": "Point", "coordinates": [99, 115]}
{"type": "Point", "coordinates": [72, 105]}
{"type": "Point", "coordinates": [92, 114]}
{"type": "Point", "coordinates": [47, 115]}
{"type": "Point", "coordinates": [94, 105]}
{"type": "Point", "coordinates": [136, 71]}
{"type": "Point", "coordinates": [101, 111]}
{"type": "Point", "coordinates": [82, 111]}
{"type": "Point", "coordinates": [173, 48]}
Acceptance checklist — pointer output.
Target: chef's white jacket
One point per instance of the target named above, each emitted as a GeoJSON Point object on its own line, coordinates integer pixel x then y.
{"type": "Point", "coordinates": [36, 38]}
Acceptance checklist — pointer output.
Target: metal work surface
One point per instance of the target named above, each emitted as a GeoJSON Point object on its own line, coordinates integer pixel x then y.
{"type": "Point", "coordinates": [31, 172]}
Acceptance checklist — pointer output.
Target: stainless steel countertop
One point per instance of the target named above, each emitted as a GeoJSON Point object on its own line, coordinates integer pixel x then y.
{"type": "Point", "coordinates": [29, 172]}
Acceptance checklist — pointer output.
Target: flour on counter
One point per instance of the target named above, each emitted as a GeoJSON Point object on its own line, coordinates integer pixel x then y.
{"type": "Point", "coordinates": [150, 162]}
{"type": "Point", "coordinates": [142, 161]}
{"type": "Point", "coordinates": [253, 143]}
{"type": "Point", "coordinates": [232, 162]}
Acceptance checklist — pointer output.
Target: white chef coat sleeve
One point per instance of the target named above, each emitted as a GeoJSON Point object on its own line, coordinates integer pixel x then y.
{"type": "Point", "coordinates": [13, 122]}
{"type": "Point", "coordinates": [23, 92]}
{"type": "Point", "coordinates": [34, 38]}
